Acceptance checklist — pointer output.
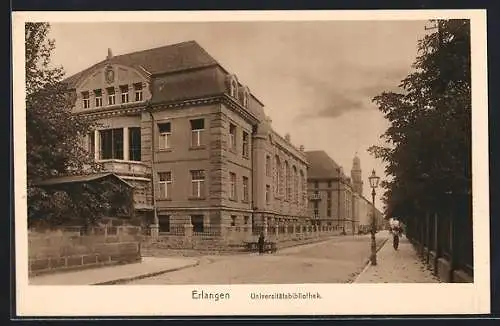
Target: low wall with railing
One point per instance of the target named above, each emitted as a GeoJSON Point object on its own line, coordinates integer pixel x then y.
{"type": "Point", "coordinates": [68, 250]}
{"type": "Point", "coordinates": [217, 237]}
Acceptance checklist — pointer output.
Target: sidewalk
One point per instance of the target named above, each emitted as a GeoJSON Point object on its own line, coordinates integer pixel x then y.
{"type": "Point", "coordinates": [149, 266]}
{"type": "Point", "coordinates": [401, 266]}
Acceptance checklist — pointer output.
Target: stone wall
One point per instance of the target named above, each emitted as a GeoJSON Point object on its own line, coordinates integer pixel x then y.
{"type": "Point", "coordinates": [441, 266]}
{"type": "Point", "coordinates": [61, 251]}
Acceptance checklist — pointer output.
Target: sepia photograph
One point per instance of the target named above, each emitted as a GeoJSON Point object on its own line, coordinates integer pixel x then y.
{"type": "Point", "coordinates": [243, 152]}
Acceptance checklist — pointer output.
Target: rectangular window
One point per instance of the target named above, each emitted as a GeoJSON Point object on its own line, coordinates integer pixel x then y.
{"type": "Point", "coordinates": [164, 221]}
{"type": "Point", "coordinates": [316, 184]}
{"type": "Point", "coordinates": [98, 98]}
{"type": "Point", "coordinates": [329, 184]}
{"type": "Point", "coordinates": [86, 100]}
{"type": "Point", "coordinates": [233, 220]}
{"type": "Point", "coordinates": [164, 185]}
{"type": "Point", "coordinates": [245, 144]}
{"type": "Point", "coordinates": [328, 212]}
{"type": "Point", "coordinates": [111, 144]}
{"type": "Point", "coordinates": [316, 210]}
{"type": "Point", "coordinates": [268, 193]}
{"type": "Point", "coordinates": [245, 189]}
{"type": "Point", "coordinates": [197, 128]}
{"type": "Point", "coordinates": [198, 183]}
{"type": "Point", "coordinates": [134, 140]}
{"type": "Point", "coordinates": [246, 219]}
{"type": "Point", "coordinates": [124, 93]}
{"type": "Point", "coordinates": [164, 135]}
{"type": "Point", "coordinates": [268, 165]}
{"type": "Point", "coordinates": [138, 92]}
{"type": "Point", "coordinates": [197, 222]}
{"type": "Point", "coordinates": [232, 137]}
{"type": "Point", "coordinates": [232, 185]}
{"type": "Point", "coordinates": [111, 96]}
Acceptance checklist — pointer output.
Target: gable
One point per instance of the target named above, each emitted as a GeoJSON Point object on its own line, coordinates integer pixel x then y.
{"type": "Point", "coordinates": [165, 59]}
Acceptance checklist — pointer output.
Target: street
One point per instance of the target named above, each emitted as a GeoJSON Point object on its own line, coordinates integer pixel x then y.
{"type": "Point", "coordinates": [337, 260]}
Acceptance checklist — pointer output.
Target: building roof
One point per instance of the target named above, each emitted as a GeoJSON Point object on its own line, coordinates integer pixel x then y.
{"type": "Point", "coordinates": [321, 165]}
{"type": "Point", "coordinates": [165, 59]}
{"type": "Point", "coordinates": [78, 179]}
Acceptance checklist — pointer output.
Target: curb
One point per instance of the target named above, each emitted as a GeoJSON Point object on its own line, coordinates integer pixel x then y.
{"type": "Point", "coordinates": [367, 265]}
{"type": "Point", "coordinates": [139, 277]}
{"type": "Point", "coordinates": [307, 243]}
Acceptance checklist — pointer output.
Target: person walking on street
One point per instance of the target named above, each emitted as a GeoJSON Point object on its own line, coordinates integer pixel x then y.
{"type": "Point", "coordinates": [396, 234]}
{"type": "Point", "coordinates": [260, 243]}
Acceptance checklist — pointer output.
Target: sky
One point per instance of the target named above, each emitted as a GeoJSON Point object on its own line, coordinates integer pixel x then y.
{"type": "Point", "coordinates": [315, 78]}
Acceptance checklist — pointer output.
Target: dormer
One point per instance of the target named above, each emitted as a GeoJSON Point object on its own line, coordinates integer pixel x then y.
{"type": "Point", "coordinates": [232, 86]}
{"type": "Point", "coordinates": [244, 95]}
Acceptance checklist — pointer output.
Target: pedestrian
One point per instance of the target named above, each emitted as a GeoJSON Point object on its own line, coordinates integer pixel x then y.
{"type": "Point", "coordinates": [260, 243]}
{"type": "Point", "coordinates": [396, 234]}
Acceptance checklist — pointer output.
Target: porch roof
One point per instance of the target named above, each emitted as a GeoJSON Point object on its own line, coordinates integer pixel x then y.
{"type": "Point", "coordinates": [80, 178]}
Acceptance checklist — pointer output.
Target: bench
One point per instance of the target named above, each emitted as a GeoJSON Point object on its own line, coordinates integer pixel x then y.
{"type": "Point", "coordinates": [254, 246]}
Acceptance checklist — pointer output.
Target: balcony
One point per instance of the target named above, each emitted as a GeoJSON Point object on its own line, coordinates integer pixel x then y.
{"type": "Point", "coordinates": [131, 168]}
{"type": "Point", "coordinates": [314, 197]}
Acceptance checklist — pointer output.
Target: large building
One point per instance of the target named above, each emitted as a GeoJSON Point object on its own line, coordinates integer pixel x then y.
{"type": "Point", "coordinates": [174, 118]}
{"type": "Point", "coordinates": [335, 199]}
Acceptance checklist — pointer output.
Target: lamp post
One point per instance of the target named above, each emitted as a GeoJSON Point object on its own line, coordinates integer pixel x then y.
{"type": "Point", "coordinates": [374, 179]}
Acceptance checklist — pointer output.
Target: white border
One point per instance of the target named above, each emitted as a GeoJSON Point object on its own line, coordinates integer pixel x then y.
{"type": "Point", "coordinates": [338, 299]}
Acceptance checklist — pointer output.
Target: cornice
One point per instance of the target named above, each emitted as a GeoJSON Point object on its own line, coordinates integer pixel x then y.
{"type": "Point", "coordinates": [214, 99]}
{"type": "Point", "coordinates": [292, 154]}
{"type": "Point", "coordinates": [288, 147]}
{"type": "Point", "coordinates": [182, 103]}
{"type": "Point", "coordinates": [236, 107]}
{"type": "Point", "coordinates": [116, 110]}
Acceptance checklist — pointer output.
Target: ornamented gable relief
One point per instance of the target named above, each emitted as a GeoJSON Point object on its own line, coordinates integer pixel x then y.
{"type": "Point", "coordinates": [111, 77]}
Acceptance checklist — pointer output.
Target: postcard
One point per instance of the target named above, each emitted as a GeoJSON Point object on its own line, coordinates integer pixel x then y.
{"type": "Point", "coordinates": [251, 163]}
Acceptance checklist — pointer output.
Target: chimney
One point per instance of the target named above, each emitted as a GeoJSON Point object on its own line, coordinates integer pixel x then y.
{"type": "Point", "coordinates": [287, 137]}
{"type": "Point", "coordinates": [301, 148]}
{"type": "Point", "coordinates": [110, 54]}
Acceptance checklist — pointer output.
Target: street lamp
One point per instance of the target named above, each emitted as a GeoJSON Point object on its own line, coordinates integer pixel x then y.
{"type": "Point", "coordinates": [374, 179]}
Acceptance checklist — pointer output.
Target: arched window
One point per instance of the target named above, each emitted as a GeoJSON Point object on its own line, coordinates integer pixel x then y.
{"type": "Point", "coordinates": [234, 89]}
{"type": "Point", "coordinates": [295, 185]}
{"type": "Point", "coordinates": [303, 188]}
{"type": "Point", "coordinates": [277, 172]}
{"type": "Point", "coordinates": [246, 97]}
{"type": "Point", "coordinates": [287, 181]}
{"type": "Point", "coordinates": [232, 84]}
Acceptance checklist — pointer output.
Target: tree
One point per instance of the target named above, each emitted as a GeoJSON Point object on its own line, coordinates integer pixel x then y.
{"type": "Point", "coordinates": [54, 134]}
{"type": "Point", "coordinates": [428, 151]}
{"type": "Point", "coordinates": [54, 139]}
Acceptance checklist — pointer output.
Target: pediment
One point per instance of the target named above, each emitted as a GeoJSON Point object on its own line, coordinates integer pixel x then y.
{"type": "Point", "coordinates": [111, 75]}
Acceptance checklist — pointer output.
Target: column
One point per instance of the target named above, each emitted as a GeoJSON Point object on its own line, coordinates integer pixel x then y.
{"type": "Point", "coordinates": [125, 144]}
{"type": "Point", "coordinates": [97, 147]}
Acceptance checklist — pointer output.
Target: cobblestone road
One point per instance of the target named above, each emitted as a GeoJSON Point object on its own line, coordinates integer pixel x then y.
{"type": "Point", "coordinates": [338, 260]}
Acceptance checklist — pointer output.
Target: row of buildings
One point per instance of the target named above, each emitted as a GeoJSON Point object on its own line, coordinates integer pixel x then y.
{"type": "Point", "coordinates": [199, 150]}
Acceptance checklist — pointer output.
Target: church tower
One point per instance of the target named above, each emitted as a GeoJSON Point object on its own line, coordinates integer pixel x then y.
{"type": "Point", "coordinates": [356, 177]}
